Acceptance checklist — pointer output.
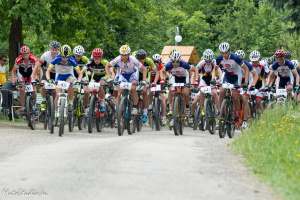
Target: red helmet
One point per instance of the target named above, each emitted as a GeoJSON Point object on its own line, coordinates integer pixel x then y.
{"type": "Point", "coordinates": [24, 49]}
{"type": "Point", "coordinates": [279, 53]}
{"type": "Point", "coordinates": [97, 52]}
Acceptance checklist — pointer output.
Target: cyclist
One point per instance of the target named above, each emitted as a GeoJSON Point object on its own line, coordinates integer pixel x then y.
{"type": "Point", "coordinates": [127, 70]}
{"type": "Point", "coordinates": [252, 75]}
{"type": "Point", "coordinates": [178, 68]}
{"type": "Point", "coordinates": [96, 72]}
{"type": "Point", "coordinates": [157, 77]}
{"type": "Point", "coordinates": [22, 70]}
{"type": "Point", "coordinates": [206, 68]}
{"type": "Point", "coordinates": [39, 72]}
{"type": "Point", "coordinates": [64, 65]}
{"type": "Point", "coordinates": [232, 67]}
{"type": "Point", "coordinates": [147, 62]}
{"type": "Point", "coordinates": [78, 55]}
{"type": "Point", "coordinates": [284, 71]}
{"type": "Point", "coordinates": [262, 70]}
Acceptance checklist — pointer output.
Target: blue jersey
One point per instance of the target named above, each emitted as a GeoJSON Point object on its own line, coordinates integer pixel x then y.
{"type": "Point", "coordinates": [283, 70]}
{"type": "Point", "coordinates": [64, 67]}
{"type": "Point", "coordinates": [232, 65]}
{"type": "Point", "coordinates": [177, 69]}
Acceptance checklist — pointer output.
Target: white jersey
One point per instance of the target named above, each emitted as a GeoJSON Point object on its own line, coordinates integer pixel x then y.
{"type": "Point", "coordinates": [129, 67]}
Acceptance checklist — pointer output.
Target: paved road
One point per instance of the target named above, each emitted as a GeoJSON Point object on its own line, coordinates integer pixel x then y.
{"type": "Point", "coordinates": [149, 165]}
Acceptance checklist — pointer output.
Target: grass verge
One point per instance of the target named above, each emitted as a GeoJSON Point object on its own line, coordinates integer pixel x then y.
{"type": "Point", "coordinates": [271, 147]}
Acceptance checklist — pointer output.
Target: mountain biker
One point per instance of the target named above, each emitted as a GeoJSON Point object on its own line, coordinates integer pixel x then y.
{"type": "Point", "coordinates": [78, 55]}
{"type": "Point", "coordinates": [178, 68]}
{"type": "Point", "coordinates": [252, 75]}
{"type": "Point", "coordinates": [22, 70]}
{"type": "Point", "coordinates": [284, 71]}
{"type": "Point", "coordinates": [64, 65]}
{"type": "Point", "coordinates": [141, 55]}
{"type": "Point", "coordinates": [127, 68]}
{"type": "Point", "coordinates": [233, 68]}
{"type": "Point", "coordinates": [96, 72]}
{"type": "Point", "coordinates": [206, 68]}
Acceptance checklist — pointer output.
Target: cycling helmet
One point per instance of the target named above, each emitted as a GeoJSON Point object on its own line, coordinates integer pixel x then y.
{"type": "Point", "coordinates": [24, 49]}
{"type": "Point", "coordinates": [288, 55]}
{"type": "Point", "coordinates": [65, 50]}
{"type": "Point", "coordinates": [175, 56]}
{"type": "Point", "coordinates": [54, 44]}
{"type": "Point", "coordinates": [78, 50]}
{"type": "Point", "coordinates": [156, 57]}
{"type": "Point", "coordinates": [224, 47]}
{"type": "Point", "coordinates": [125, 50]}
{"type": "Point", "coordinates": [97, 52]}
{"type": "Point", "coordinates": [279, 53]}
{"type": "Point", "coordinates": [295, 63]}
{"type": "Point", "coordinates": [240, 53]}
{"type": "Point", "coordinates": [254, 56]}
{"type": "Point", "coordinates": [208, 54]}
{"type": "Point", "coordinates": [141, 54]}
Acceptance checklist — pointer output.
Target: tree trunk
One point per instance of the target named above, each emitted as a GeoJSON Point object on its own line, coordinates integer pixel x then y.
{"type": "Point", "coordinates": [15, 39]}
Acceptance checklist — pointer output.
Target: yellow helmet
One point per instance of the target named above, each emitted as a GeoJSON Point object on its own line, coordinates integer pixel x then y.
{"type": "Point", "coordinates": [125, 50]}
{"type": "Point", "coordinates": [65, 50]}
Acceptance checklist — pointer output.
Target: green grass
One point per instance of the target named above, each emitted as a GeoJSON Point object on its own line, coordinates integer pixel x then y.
{"type": "Point", "coordinates": [271, 147]}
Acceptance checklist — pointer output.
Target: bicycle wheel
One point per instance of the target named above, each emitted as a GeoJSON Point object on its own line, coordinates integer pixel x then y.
{"type": "Point", "coordinates": [50, 114]}
{"type": "Point", "coordinates": [80, 113]}
{"type": "Point", "coordinates": [120, 117]}
{"type": "Point", "coordinates": [229, 126]}
{"type": "Point", "coordinates": [177, 114]}
{"type": "Point", "coordinates": [196, 118]}
{"type": "Point", "coordinates": [70, 119]}
{"type": "Point", "coordinates": [156, 113]}
{"type": "Point", "coordinates": [210, 116]}
{"type": "Point", "coordinates": [222, 131]}
{"type": "Point", "coordinates": [29, 112]}
{"type": "Point", "coordinates": [61, 118]}
{"type": "Point", "coordinates": [91, 114]}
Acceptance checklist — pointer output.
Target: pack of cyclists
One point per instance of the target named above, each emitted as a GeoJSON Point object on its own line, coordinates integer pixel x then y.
{"type": "Point", "coordinates": [214, 75]}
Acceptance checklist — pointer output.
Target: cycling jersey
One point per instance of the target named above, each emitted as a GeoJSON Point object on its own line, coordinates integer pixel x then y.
{"type": "Point", "coordinates": [206, 68]}
{"type": "Point", "coordinates": [97, 70]}
{"type": "Point", "coordinates": [64, 69]}
{"type": "Point", "coordinates": [25, 67]}
{"type": "Point", "coordinates": [81, 63]}
{"type": "Point", "coordinates": [177, 69]}
{"type": "Point", "coordinates": [159, 67]}
{"type": "Point", "coordinates": [232, 68]}
{"type": "Point", "coordinates": [284, 72]}
{"type": "Point", "coordinates": [3, 71]}
{"type": "Point", "coordinates": [45, 60]}
{"type": "Point", "coordinates": [151, 68]}
{"type": "Point", "coordinates": [126, 71]}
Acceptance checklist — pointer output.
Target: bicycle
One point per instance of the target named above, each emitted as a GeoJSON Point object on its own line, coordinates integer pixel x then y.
{"type": "Point", "coordinates": [78, 104]}
{"type": "Point", "coordinates": [137, 121]}
{"type": "Point", "coordinates": [30, 104]}
{"type": "Point", "coordinates": [49, 112]}
{"type": "Point", "coordinates": [156, 111]}
{"type": "Point", "coordinates": [226, 122]}
{"type": "Point", "coordinates": [198, 120]}
{"type": "Point", "coordinates": [178, 109]}
{"type": "Point", "coordinates": [64, 109]}
{"type": "Point", "coordinates": [124, 108]}
{"type": "Point", "coordinates": [210, 110]}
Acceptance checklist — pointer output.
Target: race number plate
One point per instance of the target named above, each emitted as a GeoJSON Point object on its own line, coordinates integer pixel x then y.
{"type": "Point", "coordinates": [29, 88]}
{"type": "Point", "coordinates": [49, 86]}
{"type": "Point", "coordinates": [281, 92]}
{"type": "Point", "coordinates": [227, 86]}
{"type": "Point", "coordinates": [156, 88]}
{"type": "Point", "coordinates": [125, 85]}
{"type": "Point", "coordinates": [206, 90]}
{"type": "Point", "coordinates": [94, 86]}
{"type": "Point", "coordinates": [178, 84]}
{"type": "Point", "coordinates": [63, 85]}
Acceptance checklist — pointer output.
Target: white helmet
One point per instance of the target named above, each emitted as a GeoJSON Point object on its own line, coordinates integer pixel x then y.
{"type": "Point", "coordinates": [240, 53]}
{"type": "Point", "coordinates": [208, 54]}
{"type": "Point", "coordinates": [156, 57]}
{"type": "Point", "coordinates": [175, 56]}
{"type": "Point", "coordinates": [254, 56]}
{"type": "Point", "coordinates": [295, 63]}
{"type": "Point", "coordinates": [78, 50]}
{"type": "Point", "coordinates": [125, 50]}
{"type": "Point", "coordinates": [224, 47]}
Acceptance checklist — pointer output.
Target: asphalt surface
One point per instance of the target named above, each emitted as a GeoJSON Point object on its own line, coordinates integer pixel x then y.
{"type": "Point", "coordinates": [147, 165]}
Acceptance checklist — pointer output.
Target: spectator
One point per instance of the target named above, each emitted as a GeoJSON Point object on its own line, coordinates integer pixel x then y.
{"type": "Point", "coordinates": [3, 70]}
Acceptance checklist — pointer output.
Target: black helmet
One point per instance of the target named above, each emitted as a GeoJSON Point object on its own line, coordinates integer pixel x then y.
{"type": "Point", "coordinates": [141, 54]}
{"type": "Point", "coordinates": [54, 44]}
{"type": "Point", "coordinates": [288, 55]}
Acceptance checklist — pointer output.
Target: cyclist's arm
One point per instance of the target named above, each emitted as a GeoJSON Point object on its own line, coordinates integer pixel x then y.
{"type": "Point", "coordinates": [271, 78]}
{"type": "Point", "coordinates": [255, 77]}
{"type": "Point", "coordinates": [14, 74]}
{"type": "Point", "coordinates": [49, 69]}
{"type": "Point", "coordinates": [36, 69]}
{"type": "Point", "coordinates": [296, 75]}
{"type": "Point", "coordinates": [246, 71]}
{"type": "Point", "coordinates": [79, 72]}
{"type": "Point", "coordinates": [108, 70]}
